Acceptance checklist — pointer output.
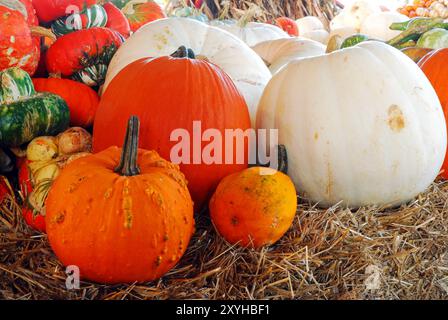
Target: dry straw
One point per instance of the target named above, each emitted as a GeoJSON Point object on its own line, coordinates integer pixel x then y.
{"type": "Point", "coordinates": [328, 254]}
{"type": "Point", "coordinates": [267, 10]}
{"type": "Point", "coordinates": [271, 9]}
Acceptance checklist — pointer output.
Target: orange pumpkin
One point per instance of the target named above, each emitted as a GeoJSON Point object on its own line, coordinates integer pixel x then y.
{"type": "Point", "coordinates": [435, 67]}
{"type": "Point", "coordinates": [170, 93]}
{"type": "Point", "coordinates": [120, 215]}
{"type": "Point", "coordinates": [254, 207]}
{"type": "Point", "coordinates": [80, 98]}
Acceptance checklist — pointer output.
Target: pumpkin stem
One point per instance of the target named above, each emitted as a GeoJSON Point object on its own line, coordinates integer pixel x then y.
{"type": "Point", "coordinates": [38, 31]}
{"type": "Point", "coordinates": [128, 163]}
{"type": "Point", "coordinates": [334, 44]}
{"type": "Point", "coordinates": [282, 163]}
{"type": "Point", "coordinates": [282, 159]}
{"type": "Point", "coordinates": [184, 52]}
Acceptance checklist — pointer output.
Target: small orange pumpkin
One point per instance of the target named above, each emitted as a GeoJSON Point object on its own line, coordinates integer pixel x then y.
{"type": "Point", "coordinates": [120, 215]}
{"type": "Point", "coordinates": [254, 207]}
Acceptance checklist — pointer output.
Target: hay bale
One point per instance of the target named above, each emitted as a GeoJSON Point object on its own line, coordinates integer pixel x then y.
{"type": "Point", "coordinates": [295, 9]}
{"type": "Point", "coordinates": [265, 10]}
{"type": "Point", "coordinates": [337, 253]}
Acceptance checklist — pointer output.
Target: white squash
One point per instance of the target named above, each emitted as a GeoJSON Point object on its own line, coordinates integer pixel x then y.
{"type": "Point", "coordinates": [343, 33]}
{"type": "Point", "coordinates": [308, 24]}
{"type": "Point", "coordinates": [165, 36]}
{"type": "Point", "coordinates": [253, 32]}
{"type": "Point", "coordinates": [278, 53]}
{"type": "Point", "coordinates": [321, 36]}
{"type": "Point", "coordinates": [377, 25]}
{"type": "Point", "coordinates": [354, 14]}
{"type": "Point", "coordinates": [362, 125]}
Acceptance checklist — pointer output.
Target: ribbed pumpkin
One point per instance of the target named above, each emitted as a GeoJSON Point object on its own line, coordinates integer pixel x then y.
{"type": "Point", "coordinates": [170, 93]}
{"type": "Point", "coordinates": [435, 67]}
{"type": "Point", "coordinates": [254, 207]}
{"type": "Point", "coordinates": [120, 215]}
{"type": "Point", "coordinates": [80, 98]}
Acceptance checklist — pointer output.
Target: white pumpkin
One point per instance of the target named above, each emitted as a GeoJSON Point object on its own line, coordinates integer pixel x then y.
{"type": "Point", "coordinates": [165, 36]}
{"type": "Point", "coordinates": [377, 25]}
{"type": "Point", "coordinates": [253, 32]}
{"type": "Point", "coordinates": [361, 125]}
{"type": "Point", "coordinates": [354, 14]}
{"type": "Point", "coordinates": [278, 53]}
{"type": "Point", "coordinates": [321, 36]}
{"type": "Point", "coordinates": [308, 24]}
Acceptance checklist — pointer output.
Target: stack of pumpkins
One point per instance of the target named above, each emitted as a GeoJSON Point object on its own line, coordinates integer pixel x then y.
{"type": "Point", "coordinates": [378, 139]}
{"type": "Point", "coordinates": [361, 126]}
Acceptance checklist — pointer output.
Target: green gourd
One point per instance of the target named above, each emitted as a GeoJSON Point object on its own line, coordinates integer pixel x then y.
{"type": "Point", "coordinates": [26, 114]}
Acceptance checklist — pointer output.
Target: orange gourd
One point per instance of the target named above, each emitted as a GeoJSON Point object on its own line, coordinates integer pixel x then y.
{"type": "Point", "coordinates": [122, 215]}
{"type": "Point", "coordinates": [80, 98]}
{"type": "Point", "coordinates": [288, 25]}
{"type": "Point", "coordinates": [254, 207]}
{"type": "Point", "coordinates": [139, 14]}
{"type": "Point", "coordinates": [435, 67]}
{"type": "Point", "coordinates": [172, 93]}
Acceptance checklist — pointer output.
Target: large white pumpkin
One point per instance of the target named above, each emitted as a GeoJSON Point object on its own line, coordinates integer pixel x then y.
{"type": "Point", "coordinates": [165, 36]}
{"type": "Point", "coordinates": [253, 32]}
{"type": "Point", "coordinates": [354, 14]}
{"type": "Point", "coordinates": [278, 53]}
{"type": "Point", "coordinates": [377, 25]}
{"type": "Point", "coordinates": [361, 125]}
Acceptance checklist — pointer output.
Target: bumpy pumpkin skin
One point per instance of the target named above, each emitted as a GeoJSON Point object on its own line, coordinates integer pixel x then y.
{"type": "Point", "coordinates": [17, 47]}
{"type": "Point", "coordinates": [115, 228]}
{"type": "Point", "coordinates": [254, 209]}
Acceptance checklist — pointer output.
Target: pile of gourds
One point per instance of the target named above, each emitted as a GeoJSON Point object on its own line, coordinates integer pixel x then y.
{"type": "Point", "coordinates": [426, 8]}
{"type": "Point", "coordinates": [360, 126]}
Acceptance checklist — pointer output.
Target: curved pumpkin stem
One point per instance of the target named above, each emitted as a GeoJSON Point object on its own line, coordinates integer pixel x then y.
{"type": "Point", "coordinates": [38, 31]}
{"type": "Point", "coordinates": [184, 52]}
{"type": "Point", "coordinates": [128, 162]}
